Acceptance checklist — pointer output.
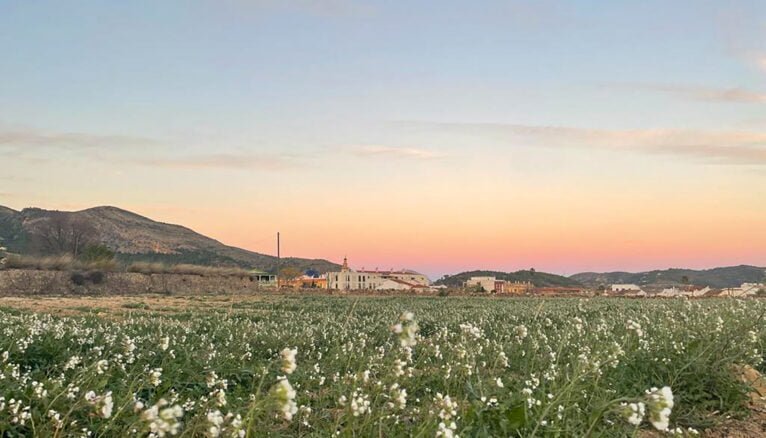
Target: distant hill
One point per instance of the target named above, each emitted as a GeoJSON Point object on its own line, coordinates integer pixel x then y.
{"type": "Point", "coordinates": [137, 238]}
{"type": "Point", "coordinates": [539, 279]}
{"type": "Point", "coordinates": [731, 276]}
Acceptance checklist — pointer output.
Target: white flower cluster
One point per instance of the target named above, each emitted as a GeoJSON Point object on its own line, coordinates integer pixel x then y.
{"type": "Point", "coordinates": [634, 327]}
{"type": "Point", "coordinates": [633, 412]}
{"type": "Point", "coordinates": [162, 420]}
{"type": "Point", "coordinates": [406, 329]}
{"type": "Point", "coordinates": [218, 425]}
{"type": "Point", "coordinates": [660, 404]}
{"type": "Point", "coordinates": [288, 360]}
{"type": "Point", "coordinates": [398, 397]}
{"type": "Point", "coordinates": [360, 404]}
{"type": "Point", "coordinates": [284, 394]}
{"type": "Point", "coordinates": [471, 330]}
{"type": "Point", "coordinates": [447, 413]}
{"type": "Point", "coordinates": [155, 377]}
{"type": "Point", "coordinates": [521, 332]}
{"type": "Point", "coordinates": [679, 432]}
{"type": "Point", "coordinates": [103, 404]}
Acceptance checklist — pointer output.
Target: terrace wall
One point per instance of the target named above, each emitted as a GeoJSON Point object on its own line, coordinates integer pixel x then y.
{"type": "Point", "coordinates": [21, 282]}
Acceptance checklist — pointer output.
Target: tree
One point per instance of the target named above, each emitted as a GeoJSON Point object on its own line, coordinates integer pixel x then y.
{"type": "Point", "coordinates": [288, 274]}
{"type": "Point", "coordinates": [685, 279]}
{"type": "Point", "coordinates": [97, 254]}
{"type": "Point", "coordinates": [62, 233]}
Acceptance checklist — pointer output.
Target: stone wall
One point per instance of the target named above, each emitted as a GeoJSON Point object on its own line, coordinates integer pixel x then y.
{"type": "Point", "coordinates": [21, 282]}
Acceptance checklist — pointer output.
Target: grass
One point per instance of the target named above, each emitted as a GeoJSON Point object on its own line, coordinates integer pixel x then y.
{"type": "Point", "coordinates": [565, 366]}
{"type": "Point", "coordinates": [69, 263]}
{"type": "Point", "coordinates": [184, 269]}
{"type": "Point", "coordinates": [142, 306]}
{"type": "Point", "coordinates": [57, 263]}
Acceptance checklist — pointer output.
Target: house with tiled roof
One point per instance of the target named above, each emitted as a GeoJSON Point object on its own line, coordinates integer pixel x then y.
{"type": "Point", "coordinates": [363, 279]}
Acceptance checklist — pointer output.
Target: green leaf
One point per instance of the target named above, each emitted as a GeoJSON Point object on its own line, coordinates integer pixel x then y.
{"type": "Point", "coordinates": [517, 417]}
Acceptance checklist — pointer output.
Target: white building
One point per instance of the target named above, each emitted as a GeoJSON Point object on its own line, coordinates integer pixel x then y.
{"type": "Point", "coordinates": [745, 290]}
{"type": "Point", "coordinates": [626, 288]}
{"type": "Point", "coordinates": [492, 284]}
{"type": "Point", "coordinates": [686, 291]}
{"type": "Point", "coordinates": [349, 279]}
{"type": "Point", "coordinates": [486, 283]}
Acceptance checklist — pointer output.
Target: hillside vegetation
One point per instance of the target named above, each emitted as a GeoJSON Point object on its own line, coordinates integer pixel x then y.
{"type": "Point", "coordinates": [539, 279]}
{"type": "Point", "coordinates": [731, 276]}
{"type": "Point", "coordinates": [135, 238]}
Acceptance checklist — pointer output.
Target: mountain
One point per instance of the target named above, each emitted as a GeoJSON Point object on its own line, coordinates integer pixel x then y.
{"type": "Point", "coordinates": [137, 238]}
{"type": "Point", "coordinates": [731, 276]}
{"type": "Point", "coordinates": [12, 235]}
{"type": "Point", "coordinates": [539, 279]}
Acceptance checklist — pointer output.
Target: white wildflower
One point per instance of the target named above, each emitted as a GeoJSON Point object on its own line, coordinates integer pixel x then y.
{"type": "Point", "coordinates": [284, 394]}
{"type": "Point", "coordinates": [660, 404]}
{"type": "Point", "coordinates": [288, 360]}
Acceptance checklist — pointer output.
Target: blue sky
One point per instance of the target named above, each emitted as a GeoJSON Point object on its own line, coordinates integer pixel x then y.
{"type": "Point", "coordinates": [181, 109]}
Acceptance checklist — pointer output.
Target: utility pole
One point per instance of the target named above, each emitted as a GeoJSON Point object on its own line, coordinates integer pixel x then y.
{"type": "Point", "coordinates": [278, 255]}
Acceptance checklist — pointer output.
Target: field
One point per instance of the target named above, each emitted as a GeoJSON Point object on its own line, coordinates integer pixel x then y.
{"type": "Point", "coordinates": [365, 366]}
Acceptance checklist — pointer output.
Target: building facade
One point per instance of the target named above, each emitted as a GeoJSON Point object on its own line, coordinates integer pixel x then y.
{"type": "Point", "coordinates": [492, 284]}
{"type": "Point", "coordinates": [349, 279]}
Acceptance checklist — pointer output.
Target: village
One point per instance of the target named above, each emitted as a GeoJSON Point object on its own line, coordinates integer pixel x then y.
{"type": "Point", "coordinates": [407, 280]}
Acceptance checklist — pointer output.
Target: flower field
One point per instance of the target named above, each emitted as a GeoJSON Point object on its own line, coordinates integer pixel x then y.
{"type": "Point", "coordinates": [394, 366]}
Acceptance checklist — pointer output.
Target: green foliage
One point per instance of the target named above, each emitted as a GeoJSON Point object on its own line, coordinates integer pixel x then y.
{"type": "Point", "coordinates": [289, 273]}
{"type": "Point", "coordinates": [539, 279]}
{"type": "Point", "coordinates": [731, 276]}
{"type": "Point", "coordinates": [522, 367]}
{"type": "Point", "coordinates": [203, 271]}
{"type": "Point", "coordinates": [97, 253]}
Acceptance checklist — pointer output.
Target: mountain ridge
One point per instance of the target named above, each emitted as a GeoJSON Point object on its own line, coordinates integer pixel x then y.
{"type": "Point", "coordinates": [539, 279]}
{"type": "Point", "coordinates": [138, 238]}
{"type": "Point", "coordinates": [719, 277]}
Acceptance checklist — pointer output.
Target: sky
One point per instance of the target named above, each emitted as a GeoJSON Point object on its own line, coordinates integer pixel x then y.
{"type": "Point", "coordinates": [445, 136]}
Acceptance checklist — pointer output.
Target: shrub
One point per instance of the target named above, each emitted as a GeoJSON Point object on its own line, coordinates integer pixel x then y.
{"type": "Point", "coordinates": [96, 277]}
{"type": "Point", "coordinates": [97, 253]}
{"type": "Point", "coordinates": [57, 263]}
{"type": "Point", "coordinates": [78, 278]}
{"type": "Point", "coordinates": [185, 269]}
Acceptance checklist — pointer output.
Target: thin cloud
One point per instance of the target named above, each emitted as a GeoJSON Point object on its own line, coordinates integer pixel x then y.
{"type": "Point", "coordinates": [718, 147]}
{"type": "Point", "coordinates": [711, 94]}
{"type": "Point", "coordinates": [30, 144]}
{"type": "Point", "coordinates": [223, 161]}
{"type": "Point", "coordinates": [30, 138]}
{"type": "Point", "coordinates": [760, 61]}
{"type": "Point", "coordinates": [395, 152]}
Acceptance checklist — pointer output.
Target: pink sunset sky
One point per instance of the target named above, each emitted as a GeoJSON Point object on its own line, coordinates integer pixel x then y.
{"type": "Point", "coordinates": [559, 136]}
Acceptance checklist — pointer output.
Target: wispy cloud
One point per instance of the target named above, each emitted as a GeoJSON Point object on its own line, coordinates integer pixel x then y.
{"type": "Point", "coordinates": [31, 144]}
{"type": "Point", "coordinates": [760, 61]}
{"type": "Point", "coordinates": [370, 151]}
{"type": "Point", "coordinates": [223, 161]}
{"type": "Point", "coordinates": [719, 147]}
{"type": "Point", "coordinates": [712, 94]}
{"type": "Point", "coordinates": [30, 138]}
